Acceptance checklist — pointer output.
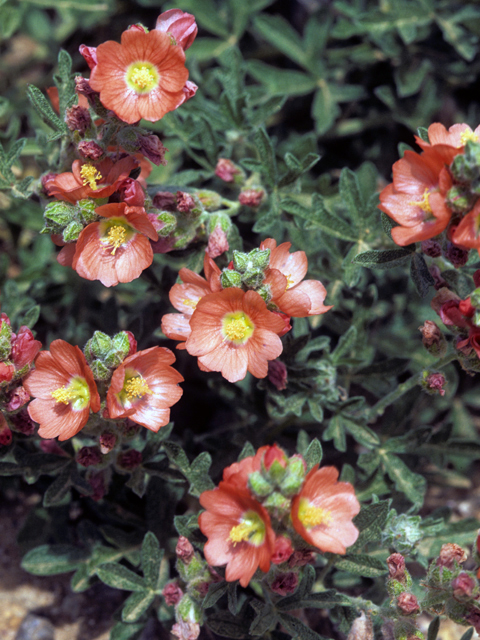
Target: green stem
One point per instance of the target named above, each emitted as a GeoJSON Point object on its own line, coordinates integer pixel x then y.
{"type": "Point", "coordinates": [379, 408]}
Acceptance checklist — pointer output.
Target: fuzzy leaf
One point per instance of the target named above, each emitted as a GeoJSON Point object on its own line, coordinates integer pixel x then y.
{"type": "Point", "coordinates": [52, 559]}
{"type": "Point", "coordinates": [119, 577]}
{"type": "Point", "coordinates": [136, 605]}
{"type": "Point", "coordinates": [421, 275]}
{"type": "Point", "coordinates": [388, 259]}
{"type": "Point", "coordinates": [411, 484]}
{"type": "Point", "coordinates": [151, 558]}
{"type": "Point", "coordinates": [314, 454]}
{"type": "Point", "coordinates": [362, 565]}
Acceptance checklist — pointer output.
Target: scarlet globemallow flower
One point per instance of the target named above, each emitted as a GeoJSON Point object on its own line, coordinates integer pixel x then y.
{"type": "Point", "coordinates": [467, 233]}
{"type": "Point", "coordinates": [185, 296]}
{"type": "Point", "coordinates": [239, 532]}
{"type": "Point", "coordinates": [64, 390]}
{"type": "Point", "coordinates": [293, 295]}
{"type": "Point", "coordinates": [144, 387]}
{"type": "Point", "coordinates": [457, 135]}
{"type": "Point", "coordinates": [233, 332]}
{"type": "Point", "coordinates": [416, 198]}
{"type": "Point", "coordinates": [117, 249]}
{"type": "Point", "coordinates": [323, 510]}
{"type": "Point", "coordinates": [89, 180]}
{"type": "Point", "coordinates": [143, 77]}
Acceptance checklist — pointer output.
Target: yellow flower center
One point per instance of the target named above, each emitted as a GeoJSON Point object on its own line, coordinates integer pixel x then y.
{"type": "Point", "coordinates": [237, 327]}
{"type": "Point", "coordinates": [290, 281]}
{"type": "Point", "coordinates": [311, 516]}
{"type": "Point", "coordinates": [77, 394]}
{"type": "Point", "coordinates": [142, 77]}
{"type": "Point", "coordinates": [251, 529]}
{"type": "Point", "coordinates": [190, 303]}
{"type": "Point", "coordinates": [116, 236]}
{"type": "Point", "coordinates": [468, 136]}
{"type": "Point", "coordinates": [90, 176]}
{"type": "Point", "coordinates": [136, 388]}
{"type": "Point", "coordinates": [424, 204]}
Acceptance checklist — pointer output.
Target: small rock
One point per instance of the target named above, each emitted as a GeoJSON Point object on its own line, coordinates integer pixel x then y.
{"type": "Point", "coordinates": [35, 628]}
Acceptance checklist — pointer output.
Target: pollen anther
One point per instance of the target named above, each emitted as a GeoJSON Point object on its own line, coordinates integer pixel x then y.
{"type": "Point", "coordinates": [424, 204]}
{"type": "Point", "coordinates": [468, 136]}
{"type": "Point", "coordinates": [312, 516]}
{"type": "Point", "coordinates": [136, 388]}
{"type": "Point", "coordinates": [90, 176]}
{"type": "Point", "coordinates": [116, 236]}
{"type": "Point", "coordinates": [63, 395]}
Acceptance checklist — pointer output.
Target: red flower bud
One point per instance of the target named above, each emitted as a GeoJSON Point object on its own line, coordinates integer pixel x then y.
{"type": "Point", "coordinates": [282, 551]}
{"type": "Point", "coordinates": [89, 456]}
{"type": "Point", "coordinates": [434, 383]}
{"type": "Point", "coordinates": [51, 446]}
{"type": "Point", "coordinates": [450, 554]}
{"type": "Point", "coordinates": [165, 201]}
{"type": "Point", "coordinates": [432, 248]}
{"type": "Point", "coordinates": [463, 586]}
{"type": "Point", "coordinates": [6, 372]}
{"type": "Point", "coordinates": [78, 119]}
{"type": "Point", "coordinates": [301, 557]}
{"type": "Point", "coordinates": [22, 421]}
{"type": "Point", "coordinates": [251, 197]}
{"type": "Point", "coordinates": [396, 567]}
{"type": "Point", "coordinates": [107, 441]}
{"type": "Point", "coordinates": [185, 202]}
{"type": "Point", "coordinates": [172, 594]}
{"type": "Point", "coordinates": [90, 149]}
{"type": "Point", "coordinates": [217, 242]}
{"type": "Point", "coordinates": [184, 550]}
{"type": "Point", "coordinates": [152, 148]}
{"type": "Point", "coordinates": [180, 25]}
{"type": "Point", "coordinates": [285, 584]}
{"type": "Point", "coordinates": [226, 170]}
{"type": "Point", "coordinates": [17, 399]}
{"type": "Point", "coordinates": [90, 55]}
{"type": "Point", "coordinates": [24, 348]}
{"type": "Point", "coordinates": [274, 453]}
{"type": "Point", "coordinates": [129, 460]}
{"type": "Point", "coordinates": [132, 192]}
{"type": "Point", "coordinates": [408, 603]}
{"type": "Point", "coordinates": [277, 374]}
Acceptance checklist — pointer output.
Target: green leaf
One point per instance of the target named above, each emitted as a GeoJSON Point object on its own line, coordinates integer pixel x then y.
{"type": "Point", "coordinates": [362, 434]}
{"type": "Point", "coordinates": [31, 317]}
{"type": "Point", "coordinates": [281, 82]}
{"type": "Point", "coordinates": [151, 558]}
{"type": "Point", "coordinates": [371, 522]}
{"type": "Point", "coordinates": [81, 579]}
{"type": "Point", "coordinates": [297, 629]}
{"type": "Point", "coordinates": [433, 628]}
{"type": "Point", "coordinates": [261, 113]}
{"type": "Point", "coordinates": [421, 275]}
{"type": "Point", "coordinates": [123, 631]}
{"type": "Point", "coordinates": [197, 473]}
{"type": "Point", "coordinates": [314, 453]}
{"type": "Point", "coordinates": [278, 32]}
{"type": "Point", "coordinates": [411, 484]}
{"type": "Point", "coordinates": [52, 559]}
{"type": "Point", "coordinates": [267, 155]}
{"type": "Point", "coordinates": [59, 488]}
{"type": "Point", "coordinates": [468, 634]}
{"type": "Point", "coordinates": [136, 605]}
{"type": "Point", "coordinates": [336, 432]}
{"type": "Point", "coordinates": [383, 259]}
{"type": "Point", "coordinates": [362, 565]}
{"type": "Point", "coordinates": [319, 218]}
{"type": "Point", "coordinates": [248, 450]}
{"type": "Point", "coordinates": [45, 111]}
{"type": "Point", "coordinates": [345, 344]}
{"type": "Point", "coordinates": [119, 577]}
{"type": "Point", "coordinates": [215, 591]}
{"type": "Point", "coordinates": [324, 600]}
{"type": "Point", "coordinates": [352, 197]}
{"type": "Point", "coordinates": [325, 109]}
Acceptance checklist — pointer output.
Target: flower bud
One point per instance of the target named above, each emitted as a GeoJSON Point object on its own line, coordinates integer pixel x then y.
{"type": "Point", "coordinates": [227, 171]}
{"type": "Point", "coordinates": [17, 398]}
{"type": "Point", "coordinates": [89, 456]}
{"type": "Point", "coordinates": [259, 485]}
{"type": "Point", "coordinates": [101, 373]}
{"type": "Point", "coordinates": [5, 432]}
{"type": "Point", "coordinates": [90, 149]}
{"type": "Point", "coordinates": [459, 198]}
{"type": "Point", "coordinates": [132, 193]}
{"type": "Point", "coordinates": [294, 477]}
{"type": "Point", "coordinates": [98, 346]}
{"type": "Point", "coordinates": [211, 200]}
{"type": "Point", "coordinates": [90, 55]}
{"type": "Point", "coordinates": [72, 231]}
{"type": "Point", "coordinates": [164, 223]}
{"type": "Point", "coordinates": [431, 248]}
{"type": "Point", "coordinates": [253, 278]}
{"type": "Point", "coordinates": [284, 584]}
{"type": "Point", "coordinates": [180, 25]}
{"type": "Point", "coordinates": [107, 442]}
{"type": "Point", "coordinates": [165, 201]}
{"type": "Point", "coordinates": [130, 460]}
{"type": "Point", "coordinates": [473, 618]}
{"type": "Point", "coordinates": [230, 278]}
{"type": "Point", "coordinates": [433, 383]}
{"type": "Point", "coordinates": [463, 586]}
{"type": "Point", "coordinates": [50, 445]}
{"type": "Point", "coordinates": [217, 242]}
{"type": "Point", "coordinates": [396, 567]}
{"type": "Point", "coordinates": [433, 339]}
{"type": "Point", "coordinates": [282, 551]}
{"type": "Point", "coordinates": [450, 555]}
{"type": "Point", "coordinates": [185, 630]}
{"type": "Point", "coordinates": [408, 604]}
{"type": "Point", "coordinates": [277, 504]}
{"type": "Point", "coordinates": [78, 119]}
{"type": "Point", "coordinates": [184, 550]}
{"type": "Point", "coordinates": [277, 374]}
{"type": "Point", "coordinates": [436, 274]}
{"type": "Point", "coordinates": [7, 371]}
{"type": "Point", "coordinates": [458, 256]}
{"type": "Point", "coordinates": [251, 197]}
{"type": "Point", "coordinates": [22, 422]}
{"type": "Point", "coordinates": [97, 480]}
{"type": "Point", "coordinates": [185, 202]}
{"type": "Point", "coordinates": [152, 148]}
{"type": "Point", "coordinates": [60, 213]}
{"type": "Point", "coordinates": [301, 557]}
{"type": "Point", "coordinates": [172, 594]}
{"type": "Point", "coordinates": [188, 610]}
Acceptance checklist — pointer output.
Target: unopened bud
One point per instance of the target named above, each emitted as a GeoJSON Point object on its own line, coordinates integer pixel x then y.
{"type": "Point", "coordinates": [361, 629]}
{"type": "Point", "coordinates": [107, 442]}
{"type": "Point", "coordinates": [433, 383]}
{"type": "Point", "coordinates": [90, 149]}
{"type": "Point", "coordinates": [259, 485]}
{"type": "Point", "coordinates": [98, 346]}
{"type": "Point", "coordinates": [227, 171]}
{"type": "Point", "coordinates": [285, 584]}
{"type": "Point", "coordinates": [463, 586]}
{"type": "Point", "coordinates": [184, 550]}
{"type": "Point", "coordinates": [132, 193]}
{"type": "Point", "coordinates": [301, 557]}
{"type": "Point", "coordinates": [282, 551]}
{"type": "Point", "coordinates": [277, 374]}
{"type": "Point", "coordinates": [473, 618]}
{"type": "Point", "coordinates": [185, 202]}
{"type": "Point", "coordinates": [451, 554]}
{"type": "Point", "coordinates": [186, 630]}
{"type": "Point", "coordinates": [165, 201]}
{"type": "Point", "coordinates": [17, 398]}
{"type": "Point", "coordinates": [431, 248]}
{"type": "Point", "coordinates": [172, 594]}
{"type": "Point", "coordinates": [251, 197]}
{"type": "Point", "coordinates": [396, 567]}
{"type": "Point", "coordinates": [72, 231]}
{"type": "Point", "coordinates": [22, 422]}
{"type": "Point", "coordinates": [152, 148]}
{"type": "Point", "coordinates": [459, 199]}
{"type": "Point", "coordinates": [408, 603]}
{"type": "Point", "coordinates": [277, 504]}
{"type": "Point", "coordinates": [217, 242]}
{"type": "Point", "coordinates": [78, 119]}
{"type": "Point", "coordinates": [458, 256]}
{"type": "Point", "coordinates": [188, 610]}
{"type": "Point", "coordinates": [294, 477]}
{"type": "Point", "coordinates": [433, 339]}
{"type": "Point", "coordinates": [230, 278]}
{"type": "Point", "coordinates": [130, 460]}
{"type": "Point", "coordinates": [89, 456]}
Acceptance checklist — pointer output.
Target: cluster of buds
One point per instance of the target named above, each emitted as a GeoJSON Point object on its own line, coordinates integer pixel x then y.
{"type": "Point", "coordinates": [462, 317]}
{"type": "Point", "coordinates": [252, 193]}
{"type": "Point", "coordinates": [264, 506]}
{"type": "Point", "coordinates": [66, 221]}
{"type": "Point", "coordinates": [104, 354]}
{"type": "Point", "coordinates": [17, 353]}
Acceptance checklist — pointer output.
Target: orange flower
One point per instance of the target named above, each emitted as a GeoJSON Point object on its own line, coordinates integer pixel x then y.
{"type": "Point", "coordinates": [144, 387]}
{"type": "Point", "coordinates": [117, 249]}
{"type": "Point", "coordinates": [323, 510]}
{"type": "Point", "coordinates": [184, 297]}
{"type": "Point", "coordinates": [467, 234]}
{"type": "Point", "coordinates": [238, 472]}
{"type": "Point", "coordinates": [143, 77]}
{"type": "Point", "coordinates": [232, 332]}
{"type": "Point", "coordinates": [416, 198]}
{"type": "Point", "coordinates": [457, 136]}
{"type": "Point", "coordinates": [89, 180]}
{"type": "Point", "coordinates": [238, 530]}
{"type": "Point", "coordinates": [293, 295]}
{"type": "Point", "coordinates": [64, 391]}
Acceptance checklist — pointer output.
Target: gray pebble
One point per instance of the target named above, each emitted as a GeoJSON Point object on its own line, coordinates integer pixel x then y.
{"type": "Point", "coordinates": [35, 628]}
